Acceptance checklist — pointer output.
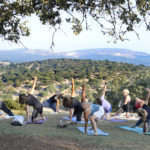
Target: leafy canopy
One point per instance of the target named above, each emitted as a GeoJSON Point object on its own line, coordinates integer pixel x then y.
{"type": "Point", "coordinates": [114, 17]}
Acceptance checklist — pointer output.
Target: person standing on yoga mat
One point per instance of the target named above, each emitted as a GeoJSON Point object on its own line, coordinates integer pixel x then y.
{"type": "Point", "coordinates": [53, 102]}
{"type": "Point", "coordinates": [5, 109]}
{"type": "Point", "coordinates": [125, 103]}
{"type": "Point", "coordinates": [92, 112]}
{"type": "Point", "coordinates": [73, 103]}
{"type": "Point", "coordinates": [144, 113]}
{"type": "Point", "coordinates": [29, 100]}
{"type": "Point", "coordinates": [105, 104]}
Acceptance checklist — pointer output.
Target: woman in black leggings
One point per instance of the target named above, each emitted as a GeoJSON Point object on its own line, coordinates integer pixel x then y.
{"type": "Point", "coordinates": [29, 100]}
{"type": "Point", "coordinates": [5, 109]}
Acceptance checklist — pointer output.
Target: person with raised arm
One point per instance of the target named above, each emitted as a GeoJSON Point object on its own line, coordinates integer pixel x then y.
{"type": "Point", "coordinates": [73, 104]}
{"type": "Point", "coordinates": [105, 104]}
{"type": "Point", "coordinates": [91, 111]}
{"type": "Point", "coordinates": [29, 100]}
{"type": "Point", "coordinates": [144, 113]}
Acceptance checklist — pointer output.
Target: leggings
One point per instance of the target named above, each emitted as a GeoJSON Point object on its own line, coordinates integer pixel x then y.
{"type": "Point", "coordinates": [5, 109]}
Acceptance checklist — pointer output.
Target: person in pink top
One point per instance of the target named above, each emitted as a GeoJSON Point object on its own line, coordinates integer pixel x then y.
{"type": "Point", "coordinates": [105, 104]}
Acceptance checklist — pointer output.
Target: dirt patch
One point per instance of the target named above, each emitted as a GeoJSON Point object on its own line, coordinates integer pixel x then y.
{"type": "Point", "coordinates": [12, 142]}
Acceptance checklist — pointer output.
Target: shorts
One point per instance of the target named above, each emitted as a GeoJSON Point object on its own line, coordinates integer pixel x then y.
{"type": "Point", "coordinates": [100, 113]}
{"type": "Point", "coordinates": [125, 108]}
{"type": "Point", "coordinates": [109, 110]}
{"type": "Point", "coordinates": [38, 110]}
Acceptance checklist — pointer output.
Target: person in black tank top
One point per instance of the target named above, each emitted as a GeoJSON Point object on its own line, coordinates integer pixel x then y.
{"type": "Point", "coordinates": [29, 100]}
{"type": "Point", "coordinates": [125, 104]}
{"type": "Point", "coordinates": [144, 114]}
{"type": "Point", "coordinates": [73, 103]}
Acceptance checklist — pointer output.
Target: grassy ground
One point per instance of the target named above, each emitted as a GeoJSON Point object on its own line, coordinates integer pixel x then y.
{"type": "Point", "coordinates": [118, 139]}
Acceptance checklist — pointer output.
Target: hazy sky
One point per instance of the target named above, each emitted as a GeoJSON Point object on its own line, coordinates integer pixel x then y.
{"type": "Point", "coordinates": [65, 40]}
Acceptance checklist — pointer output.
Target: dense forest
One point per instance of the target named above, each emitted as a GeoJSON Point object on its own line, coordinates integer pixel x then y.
{"type": "Point", "coordinates": [54, 76]}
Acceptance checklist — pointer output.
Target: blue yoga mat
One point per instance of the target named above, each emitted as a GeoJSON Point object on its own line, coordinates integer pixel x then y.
{"type": "Point", "coordinates": [136, 129]}
{"type": "Point", "coordinates": [91, 132]}
{"type": "Point", "coordinates": [74, 120]}
{"type": "Point", "coordinates": [36, 122]}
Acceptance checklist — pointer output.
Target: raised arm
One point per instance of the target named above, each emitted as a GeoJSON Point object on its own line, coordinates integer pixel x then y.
{"type": "Point", "coordinates": [72, 89]}
{"type": "Point", "coordinates": [147, 97]}
{"type": "Point", "coordinates": [33, 86]}
{"type": "Point", "coordinates": [83, 94]}
{"type": "Point", "coordinates": [57, 105]}
{"type": "Point", "coordinates": [104, 90]}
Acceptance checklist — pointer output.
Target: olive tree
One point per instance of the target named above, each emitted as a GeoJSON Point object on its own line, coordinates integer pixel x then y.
{"type": "Point", "coordinates": [114, 17]}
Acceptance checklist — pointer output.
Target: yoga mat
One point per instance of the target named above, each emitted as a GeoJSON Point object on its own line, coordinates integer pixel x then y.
{"type": "Point", "coordinates": [136, 129]}
{"type": "Point", "coordinates": [36, 122]}
{"type": "Point", "coordinates": [91, 132]}
{"type": "Point", "coordinates": [7, 117]}
{"type": "Point", "coordinates": [117, 120]}
{"type": "Point", "coordinates": [74, 120]}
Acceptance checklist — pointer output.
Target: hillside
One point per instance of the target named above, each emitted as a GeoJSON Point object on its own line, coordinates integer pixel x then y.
{"type": "Point", "coordinates": [111, 54]}
{"type": "Point", "coordinates": [54, 77]}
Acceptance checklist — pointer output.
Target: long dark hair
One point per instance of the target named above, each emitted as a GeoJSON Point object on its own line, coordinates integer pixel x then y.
{"type": "Point", "coordinates": [98, 101]}
{"type": "Point", "coordinates": [66, 102]}
{"type": "Point", "coordinates": [23, 98]}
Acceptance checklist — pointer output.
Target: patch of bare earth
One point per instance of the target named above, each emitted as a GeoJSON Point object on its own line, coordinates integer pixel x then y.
{"type": "Point", "coordinates": [12, 142]}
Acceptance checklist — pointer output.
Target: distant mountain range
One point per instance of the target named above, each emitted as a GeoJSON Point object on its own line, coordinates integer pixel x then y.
{"type": "Point", "coordinates": [111, 54]}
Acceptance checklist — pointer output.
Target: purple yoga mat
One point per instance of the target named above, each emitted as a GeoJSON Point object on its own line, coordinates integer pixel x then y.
{"type": "Point", "coordinates": [36, 122]}
{"type": "Point", "coordinates": [118, 120]}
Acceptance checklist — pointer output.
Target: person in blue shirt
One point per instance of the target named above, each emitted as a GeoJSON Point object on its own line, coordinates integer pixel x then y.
{"type": "Point", "coordinates": [91, 111]}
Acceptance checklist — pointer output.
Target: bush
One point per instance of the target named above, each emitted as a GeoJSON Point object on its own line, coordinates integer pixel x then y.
{"type": "Point", "coordinates": [13, 104]}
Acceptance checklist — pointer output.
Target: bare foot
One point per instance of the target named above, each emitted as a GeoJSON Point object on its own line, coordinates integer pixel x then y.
{"type": "Point", "coordinates": [95, 134]}
{"type": "Point", "coordinates": [44, 118]}
{"type": "Point", "coordinates": [128, 117]}
{"type": "Point", "coordinates": [91, 129]}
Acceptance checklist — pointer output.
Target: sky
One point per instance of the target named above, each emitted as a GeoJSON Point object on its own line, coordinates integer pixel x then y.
{"type": "Point", "coordinates": [65, 40]}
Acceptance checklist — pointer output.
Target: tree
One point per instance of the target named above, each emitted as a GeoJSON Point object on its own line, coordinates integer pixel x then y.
{"type": "Point", "coordinates": [115, 17]}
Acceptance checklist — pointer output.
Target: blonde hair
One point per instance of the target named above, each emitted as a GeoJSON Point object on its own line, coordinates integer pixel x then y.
{"type": "Point", "coordinates": [126, 90]}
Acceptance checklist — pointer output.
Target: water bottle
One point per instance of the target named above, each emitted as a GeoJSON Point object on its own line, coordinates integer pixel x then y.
{"type": "Point", "coordinates": [60, 122]}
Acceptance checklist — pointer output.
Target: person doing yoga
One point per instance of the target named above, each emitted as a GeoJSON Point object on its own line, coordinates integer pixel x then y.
{"type": "Point", "coordinates": [29, 100]}
{"type": "Point", "coordinates": [105, 104]}
{"type": "Point", "coordinates": [144, 113]}
{"type": "Point", "coordinates": [73, 103]}
{"type": "Point", "coordinates": [53, 102]}
{"type": "Point", "coordinates": [125, 103]}
{"type": "Point", "coordinates": [92, 112]}
{"type": "Point", "coordinates": [4, 108]}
